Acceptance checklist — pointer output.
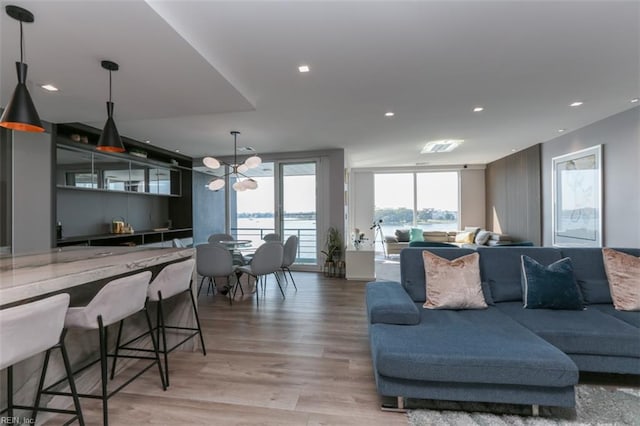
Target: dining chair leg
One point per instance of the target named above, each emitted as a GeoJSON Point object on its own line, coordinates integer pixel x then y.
{"type": "Point", "coordinates": [284, 272]}
{"type": "Point", "coordinates": [200, 288]}
{"type": "Point", "coordinates": [279, 286]}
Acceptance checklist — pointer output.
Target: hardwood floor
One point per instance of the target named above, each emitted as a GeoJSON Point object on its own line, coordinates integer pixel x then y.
{"type": "Point", "coordinates": [299, 361]}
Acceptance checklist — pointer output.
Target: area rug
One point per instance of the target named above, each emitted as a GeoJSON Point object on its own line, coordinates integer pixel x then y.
{"type": "Point", "coordinates": [595, 405]}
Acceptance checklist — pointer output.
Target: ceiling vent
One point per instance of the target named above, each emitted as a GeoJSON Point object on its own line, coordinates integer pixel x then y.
{"type": "Point", "coordinates": [447, 145]}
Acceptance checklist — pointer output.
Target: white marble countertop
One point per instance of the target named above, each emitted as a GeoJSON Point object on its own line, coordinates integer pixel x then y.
{"type": "Point", "coordinates": [32, 275]}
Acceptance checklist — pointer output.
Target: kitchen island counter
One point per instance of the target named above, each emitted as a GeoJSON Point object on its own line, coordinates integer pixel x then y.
{"type": "Point", "coordinates": [29, 276]}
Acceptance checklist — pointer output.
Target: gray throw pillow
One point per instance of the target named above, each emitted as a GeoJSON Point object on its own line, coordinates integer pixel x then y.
{"type": "Point", "coordinates": [482, 237]}
{"type": "Point", "coordinates": [403, 235]}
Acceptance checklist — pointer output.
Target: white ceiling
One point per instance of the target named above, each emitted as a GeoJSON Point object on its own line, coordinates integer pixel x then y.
{"type": "Point", "coordinates": [193, 70]}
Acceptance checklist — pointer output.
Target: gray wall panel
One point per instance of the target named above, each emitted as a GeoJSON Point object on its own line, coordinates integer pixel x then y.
{"type": "Point", "coordinates": [513, 204]}
{"type": "Point", "coordinates": [32, 193]}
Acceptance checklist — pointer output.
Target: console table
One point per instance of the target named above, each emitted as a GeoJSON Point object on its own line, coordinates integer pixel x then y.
{"type": "Point", "coordinates": [360, 265]}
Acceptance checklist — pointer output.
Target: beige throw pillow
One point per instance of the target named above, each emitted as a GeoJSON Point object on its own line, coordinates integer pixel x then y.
{"type": "Point", "coordinates": [623, 274]}
{"type": "Point", "coordinates": [453, 284]}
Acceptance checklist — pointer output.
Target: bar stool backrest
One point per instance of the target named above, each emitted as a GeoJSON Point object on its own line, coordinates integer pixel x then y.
{"type": "Point", "coordinates": [28, 329]}
{"type": "Point", "coordinates": [172, 279]}
{"type": "Point", "coordinates": [115, 301]}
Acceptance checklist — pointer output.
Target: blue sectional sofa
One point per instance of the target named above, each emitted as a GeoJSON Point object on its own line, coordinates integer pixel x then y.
{"type": "Point", "coordinates": [502, 354]}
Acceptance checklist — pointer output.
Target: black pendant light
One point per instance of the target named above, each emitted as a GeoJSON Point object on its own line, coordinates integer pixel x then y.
{"type": "Point", "coordinates": [20, 113]}
{"type": "Point", "coordinates": [110, 138]}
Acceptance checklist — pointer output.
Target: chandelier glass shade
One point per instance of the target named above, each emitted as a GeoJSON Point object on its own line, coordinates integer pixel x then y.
{"type": "Point", "coordinates": [236, 170]}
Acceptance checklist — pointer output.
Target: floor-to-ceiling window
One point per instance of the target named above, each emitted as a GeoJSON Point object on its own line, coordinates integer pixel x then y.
{"type": "Point", "coordinates": [427, 200]}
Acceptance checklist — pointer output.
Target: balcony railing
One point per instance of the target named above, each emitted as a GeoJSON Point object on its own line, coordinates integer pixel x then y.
{"type": "Point", "coordinates": [307, 240]}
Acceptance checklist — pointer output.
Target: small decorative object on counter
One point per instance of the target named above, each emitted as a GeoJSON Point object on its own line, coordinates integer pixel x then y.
{"type": "Point", "coordinates": [358, 239]}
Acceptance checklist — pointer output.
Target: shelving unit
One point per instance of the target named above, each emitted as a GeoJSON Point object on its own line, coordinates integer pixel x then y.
{"type": "Point", "coordinates": [137, 238]}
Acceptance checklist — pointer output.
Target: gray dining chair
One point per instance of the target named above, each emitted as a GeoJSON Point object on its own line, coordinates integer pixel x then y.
{"type": "Point", "coordinates": [215, 238]}
{"type": "Point", "coordinates": [289, 256]}
{"type": "Point", "coordinates": [271, 237]}
{"type": "Point", "coordinates": [266, 260]}
{"type": "Point", "coordinates": [213, 260]}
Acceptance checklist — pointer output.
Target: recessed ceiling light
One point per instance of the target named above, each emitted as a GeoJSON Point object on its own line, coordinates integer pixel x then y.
{"type": "Point", "coordinates": [635, 100]}
{"type": "Point", "coordinates": [562, 130]}
{"type": "Point", "coordinates": [389, 114]}
{"type": "Point", "coordinates": [177, 150]}
{"type": "Point", "coordinates": [49, 87]}
{"type": "Point", "coordinates": [147, 141]}
{"type": "Point", "coordinates": [446, 145]}
{"type": "Point", "coordinates": [576, 104]}
{"type": "Point", "coordinates": [513, 150]}
{"type": "Point", "coordinates": [478, 109]}
{"type": "Point", "coordinates": [304, 68]}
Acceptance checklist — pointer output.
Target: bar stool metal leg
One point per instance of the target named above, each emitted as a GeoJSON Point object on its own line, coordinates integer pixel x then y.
{"type": "Point", "coordinates": [155, 347]}
{"type": "Point", "coordinates": [115, 358]}
{"type": "Point", "coordinates": [161, 325]}
{"type": "Point", "coordinates": [195, 311]}
{"type": "Point", "coordinates": [103, 370]}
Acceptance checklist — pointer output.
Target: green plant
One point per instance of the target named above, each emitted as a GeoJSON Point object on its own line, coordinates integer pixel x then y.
{"type": "Point", "coordinates": [333, 245]}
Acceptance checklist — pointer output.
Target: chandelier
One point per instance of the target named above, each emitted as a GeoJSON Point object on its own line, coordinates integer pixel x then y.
{"type": "Point", "coordinates": [236, 169]}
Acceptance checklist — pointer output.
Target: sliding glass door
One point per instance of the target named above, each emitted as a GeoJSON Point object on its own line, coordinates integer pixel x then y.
{"type": "Point", "coordinates": [284, 203]}
{"type": "Point", "coordinates": [297, 208]}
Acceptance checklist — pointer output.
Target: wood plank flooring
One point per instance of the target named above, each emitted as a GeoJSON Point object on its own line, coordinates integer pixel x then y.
{"type": "Point", "coordinates": [299, 361]}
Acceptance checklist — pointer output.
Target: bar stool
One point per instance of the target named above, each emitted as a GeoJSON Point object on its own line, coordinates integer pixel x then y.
{"type": "Point", "coordinates": [116, 301]}
{"type": "Point", "coordinates": [173, 280]}
{"type": "Point", "coordinates": [29, 329]}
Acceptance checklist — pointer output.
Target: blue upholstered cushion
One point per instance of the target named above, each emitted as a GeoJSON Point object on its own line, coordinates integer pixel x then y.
{"type": "Point", "coordinates": [469, 346]}
{"type": "Point", "coordinates": [588, 269]}
{"type": "Point", "coordinates": [588, 332]}
{"type": "Point", "coordinates": [630, 317]}
{"type": "Point", "coordinates": [549, 287]}
{"type": "Point", "coordinates": [500, 268]}
{"type": "Point", "coordinates": [388, 303]}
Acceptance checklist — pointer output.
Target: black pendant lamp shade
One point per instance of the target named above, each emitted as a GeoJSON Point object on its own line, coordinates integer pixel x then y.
{"type": "Point", "coordinates": [110, 140]}
{"type": "Point", "coordinates": [20, 113]}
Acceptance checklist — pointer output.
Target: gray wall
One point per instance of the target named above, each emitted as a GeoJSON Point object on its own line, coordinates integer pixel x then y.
{"type": "Point", "coordinates": [472, 198]}
{"type": "Point", "coordinates": [91, 212]}
{"type": "Point", "coordinates": [32, 192]}
{"type": "Point", "coordinates": [620, 137]}
{"type": "Point", "coordinates": [208, 209]}
{"type": "Point", "coordinates": [513, 204]}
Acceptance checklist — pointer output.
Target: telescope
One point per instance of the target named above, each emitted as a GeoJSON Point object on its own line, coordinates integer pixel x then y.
{"type": "Point", "coordinates": [376, 223]}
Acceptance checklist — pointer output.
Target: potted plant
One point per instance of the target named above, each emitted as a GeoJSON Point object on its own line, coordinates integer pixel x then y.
{"type": "Point", "coordinates": [333, 250]}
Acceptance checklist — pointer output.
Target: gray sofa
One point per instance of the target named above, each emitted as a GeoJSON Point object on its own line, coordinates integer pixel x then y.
{"type": "Point", "coordinates": [503, 354]}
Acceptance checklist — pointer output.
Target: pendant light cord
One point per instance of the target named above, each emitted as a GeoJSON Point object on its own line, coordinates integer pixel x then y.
{"type": "Point", "coordinates": [109, 85]}
{"type": "Point", "coordinates": [21, 44]}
